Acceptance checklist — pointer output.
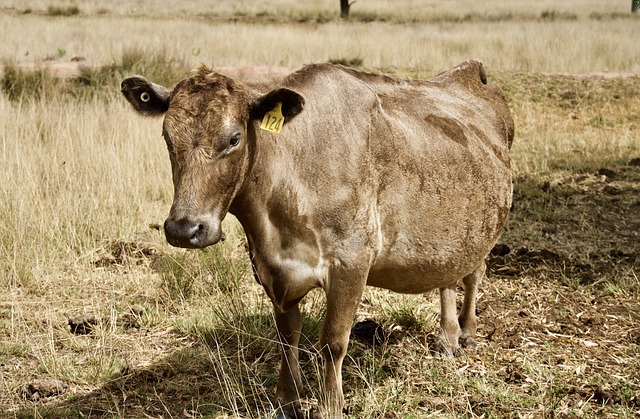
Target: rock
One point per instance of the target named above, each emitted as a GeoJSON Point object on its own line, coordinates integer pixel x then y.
{"type": "Point", "coordinates": [602, 396]}
{"type": "Point", "coordinates": [500, 250]}
{"type": "Point", "coordinates": [606, 172]}
{"type": "Point", "coordinates": [131, 319]}
{"type": "Point", "coordinates": [611, 190]}
{"type": "Point", "coordinates": [47, 387]}
{"type": "Point", "coordinates": [83, 325]}
{"type": "Point", "coordinates": [369, 331]}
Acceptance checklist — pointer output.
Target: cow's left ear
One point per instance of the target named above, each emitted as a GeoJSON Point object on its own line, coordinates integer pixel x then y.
{"type": "Point", "coordinates": [292, 103]}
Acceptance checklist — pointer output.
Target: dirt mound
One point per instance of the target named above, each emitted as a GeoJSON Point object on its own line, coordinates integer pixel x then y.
{"type": "Point", "coordinates": [73, 68]}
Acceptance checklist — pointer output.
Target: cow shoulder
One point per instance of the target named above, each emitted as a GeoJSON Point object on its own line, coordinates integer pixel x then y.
{"type": "Point", "coordinates": [338, 105]}
{"type": "Point", "coordinates": [333, 81]}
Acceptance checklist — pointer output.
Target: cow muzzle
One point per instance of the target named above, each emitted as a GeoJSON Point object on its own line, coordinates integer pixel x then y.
{"type": "Point", "coordinates": [192, 234]}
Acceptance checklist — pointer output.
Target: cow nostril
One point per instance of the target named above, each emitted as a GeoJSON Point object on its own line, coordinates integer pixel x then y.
{"type": "Point", "coordinates": [198, 230]}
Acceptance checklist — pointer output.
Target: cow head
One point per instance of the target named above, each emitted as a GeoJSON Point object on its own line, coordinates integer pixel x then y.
{"type": "Point", "coordinates": [208, 129]}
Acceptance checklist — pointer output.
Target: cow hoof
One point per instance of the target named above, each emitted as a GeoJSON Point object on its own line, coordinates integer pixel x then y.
{"type": "Point", "coordinates": [468, 343]}
{"type": "Point", "coordinates": [283, 415]}
{"type": "Point", "coordinates": [289, 412]}
{"type": "Point", "coordinates": [445, 351]}
{"type": "Point", "coordinates": [315, 413]}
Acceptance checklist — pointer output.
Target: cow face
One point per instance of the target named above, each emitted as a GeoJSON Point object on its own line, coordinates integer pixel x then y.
{"type": "Point", "coordinates": [207, 132]}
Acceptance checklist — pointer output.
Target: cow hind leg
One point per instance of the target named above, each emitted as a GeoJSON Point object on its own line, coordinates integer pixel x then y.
{"type": "Point", "coordinates": [449, 327]}
{"type": "Point", "coordinates": [290, 385]}
{"type": "Point", "coordinates": [467, 319]}
{"type": "Point", "coordinates": [456, 331]}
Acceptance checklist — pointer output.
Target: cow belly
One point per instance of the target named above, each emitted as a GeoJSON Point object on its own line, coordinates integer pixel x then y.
{"type": "Point", "coordinates": [417, 256]}
{"type": "Point", "coordinates": [419, 276]}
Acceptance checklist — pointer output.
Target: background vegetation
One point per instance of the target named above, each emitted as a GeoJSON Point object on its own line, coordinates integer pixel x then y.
{"type": "Point", "coordinates": [85, 186]}
{"type": "Point", "coordinates": [571, 36]}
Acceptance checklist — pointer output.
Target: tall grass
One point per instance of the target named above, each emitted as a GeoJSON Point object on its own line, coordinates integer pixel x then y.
{"type": "Point", "coordinates": [64, 183]}
{"type": "Point", "coordinates": [570, 125]}
{"type": "Point", "coordinates": [573, 46]}
{"type": "Point", "coordinates": [65, 147]}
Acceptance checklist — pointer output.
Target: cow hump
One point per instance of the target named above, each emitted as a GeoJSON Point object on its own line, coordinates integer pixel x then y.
{"type": "Point", "coordinates": [469, 73]}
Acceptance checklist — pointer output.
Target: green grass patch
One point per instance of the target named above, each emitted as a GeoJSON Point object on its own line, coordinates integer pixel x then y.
{"type": "Point", "coordinates": [20, 84]}
{"type": "Point", "coordinates": [57, 11]}
{"type": "Point", "coordinates": [13, 350]}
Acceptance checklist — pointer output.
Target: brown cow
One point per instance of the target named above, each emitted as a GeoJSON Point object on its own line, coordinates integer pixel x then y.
{"type": "Point", "coordinates": [398, 184]}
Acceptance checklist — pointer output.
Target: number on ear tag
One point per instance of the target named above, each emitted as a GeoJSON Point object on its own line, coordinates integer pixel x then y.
{"type": "Point", "coordinates": [273, 120]}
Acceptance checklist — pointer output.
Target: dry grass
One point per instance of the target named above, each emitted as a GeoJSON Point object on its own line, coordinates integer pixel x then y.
{"type": "Point", "coordinates": [84, 185]}
{"type": "Point", "coordinates": [57, 175]}
{"type": "Point", "coordinates": [382, 9]}
{"type": "Point", "coordinates": [570, 123]}
{"type": "Point", "coordinates": [440, 37]}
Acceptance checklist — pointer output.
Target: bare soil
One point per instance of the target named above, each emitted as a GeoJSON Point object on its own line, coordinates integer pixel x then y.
{"type": "Point", "coordinates": [69, 69]}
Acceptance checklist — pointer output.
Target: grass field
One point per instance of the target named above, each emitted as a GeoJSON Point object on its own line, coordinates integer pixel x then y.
{"type": "Point", "coordinates": [422, 35]}
{"type": "Point", "coordinates": [85, 186]}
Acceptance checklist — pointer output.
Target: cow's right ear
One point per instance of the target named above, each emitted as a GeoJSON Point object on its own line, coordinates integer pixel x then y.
{"type": "Point", "coordinates": [146, 97]}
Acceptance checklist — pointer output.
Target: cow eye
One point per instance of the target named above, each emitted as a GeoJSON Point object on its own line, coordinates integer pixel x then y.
{"type": "Point", "coordinates": [235, 140]}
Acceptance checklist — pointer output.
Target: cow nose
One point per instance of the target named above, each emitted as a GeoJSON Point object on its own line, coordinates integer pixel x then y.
{"type": "Point", "coordinates": [187, 233]}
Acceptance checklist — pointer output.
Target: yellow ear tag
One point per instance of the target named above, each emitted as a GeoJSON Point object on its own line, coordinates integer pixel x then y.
{"type": "Point", "coordinates": [273, 120]}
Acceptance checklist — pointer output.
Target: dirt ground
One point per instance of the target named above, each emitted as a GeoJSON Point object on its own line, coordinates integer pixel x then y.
{"type": "Point", "coordinates": [568, 298]}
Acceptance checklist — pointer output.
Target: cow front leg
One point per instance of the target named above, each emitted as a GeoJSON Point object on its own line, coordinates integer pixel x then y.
{"type": "Point", "coordinates": [467, 319]}
{"type": "Point", "coordinates": [449, 326]}
{"type": "Point", "coordinates": [290, 385]}
{"type": "Point", "coordinates": [343, 298]}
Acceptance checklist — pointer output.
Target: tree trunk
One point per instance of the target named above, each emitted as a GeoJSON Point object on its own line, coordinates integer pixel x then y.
{"type": "Point", "coordinates": [344, 8]}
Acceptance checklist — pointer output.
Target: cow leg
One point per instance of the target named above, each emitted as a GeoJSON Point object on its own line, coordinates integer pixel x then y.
{"type": "Point", "coordinates": [343, 297]}
{"type": "Point", "coordinates": [449, 326]}
{"type": "Point", "coordinates": [467, 318]}
{"type": "Point", "coordinates": [289, 387]}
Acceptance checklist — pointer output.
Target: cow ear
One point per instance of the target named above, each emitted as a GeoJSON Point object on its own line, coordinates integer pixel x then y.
{"type": "Point", "coordinates": [147, 98]}
{"type": "Point", "coordinates": [292, 103]}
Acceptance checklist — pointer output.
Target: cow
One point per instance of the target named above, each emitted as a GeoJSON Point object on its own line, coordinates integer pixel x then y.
{"type": "Point", "coordinates": [340, 179]}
